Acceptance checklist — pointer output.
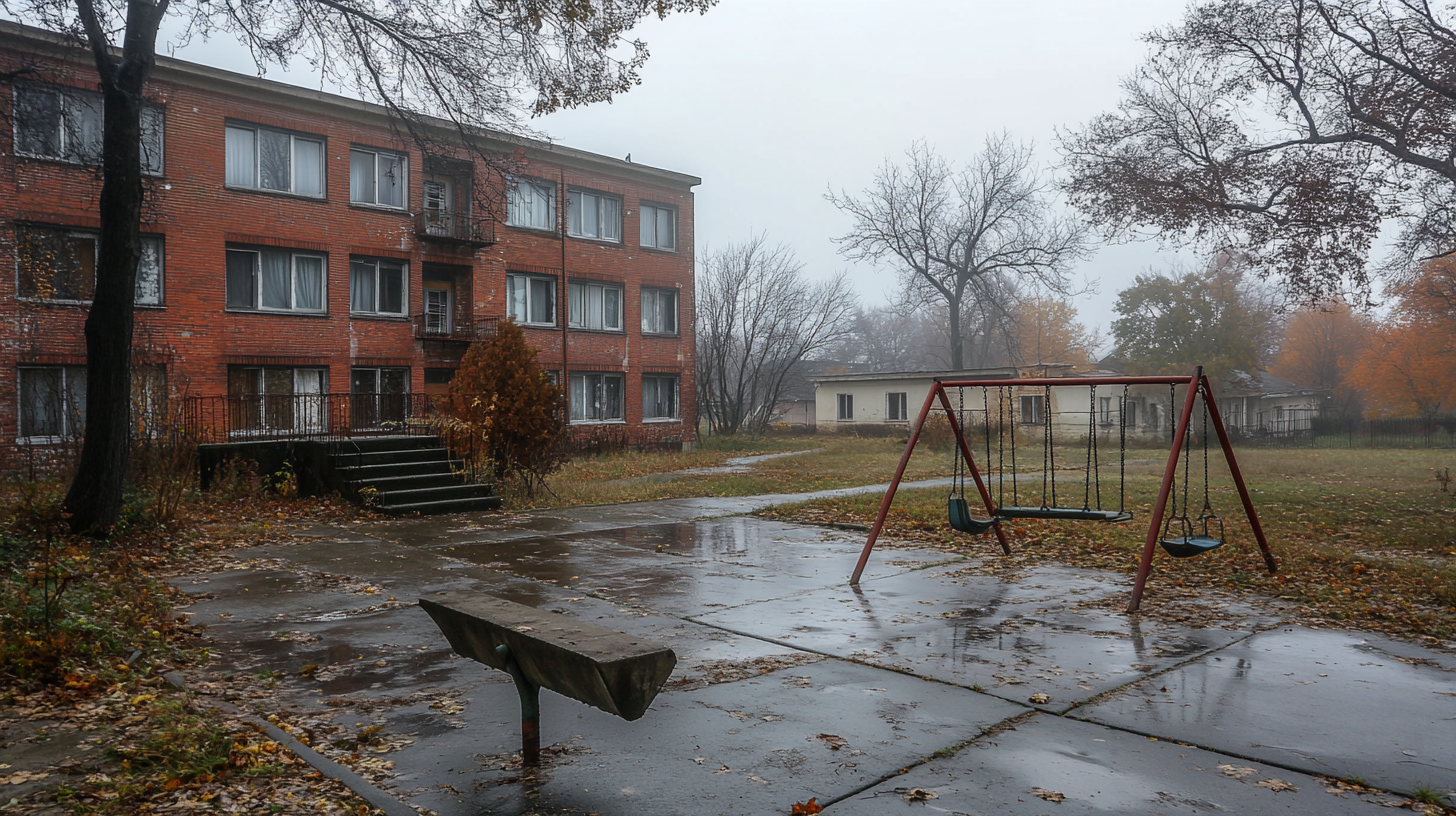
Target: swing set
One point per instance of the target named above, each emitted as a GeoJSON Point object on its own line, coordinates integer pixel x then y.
{"type": "Point", "coordinates": [1181, 533]}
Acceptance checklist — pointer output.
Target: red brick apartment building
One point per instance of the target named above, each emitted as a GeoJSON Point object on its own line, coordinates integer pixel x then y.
{"type": "Point", "coordinates": [297, 244]}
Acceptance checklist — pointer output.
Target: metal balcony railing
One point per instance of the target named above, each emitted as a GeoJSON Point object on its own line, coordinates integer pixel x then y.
{"type": "Point", "coordinates": [454, 227]}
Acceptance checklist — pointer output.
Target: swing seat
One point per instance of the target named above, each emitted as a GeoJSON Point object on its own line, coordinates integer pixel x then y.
{"type": "Point", "coordinates": [1063, 514]}
{"type": "Point", "coordinates": [1191, 545]}
{"type": "Point", "coordinates": [962, 520]}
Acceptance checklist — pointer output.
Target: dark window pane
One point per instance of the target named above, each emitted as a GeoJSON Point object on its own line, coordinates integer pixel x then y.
{"type": "Point", "coordinates": [391, 288]}
{"type": "Point", "coordinates": [273, 160]}
{"type": "Point", "coordinates": [38, 122]}
{"type": "Point", "coordinates": [241, 292]}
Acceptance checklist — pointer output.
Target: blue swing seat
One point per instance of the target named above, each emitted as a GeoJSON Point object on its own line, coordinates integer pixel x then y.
{"type": "Point", "coordinates": [1191, 545]}
{"type": "Point", "coordinates": [962, 520]}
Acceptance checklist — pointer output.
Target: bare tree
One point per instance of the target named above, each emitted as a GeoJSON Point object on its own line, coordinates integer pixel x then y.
{"type": "Point", "coordinates": [460, 62]}
{"type": "Point", "coordinates": [958, 236]}
{"type": "Point", "coordinates": [757, 317]}
{"type": "Point", "coordinates": [1289, 130]}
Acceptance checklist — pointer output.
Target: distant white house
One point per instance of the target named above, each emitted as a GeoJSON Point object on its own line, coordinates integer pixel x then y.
{"type": "Point", "coordinates": [1264, 405]}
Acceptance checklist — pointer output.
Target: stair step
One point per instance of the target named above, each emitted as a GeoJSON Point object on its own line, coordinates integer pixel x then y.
{"type": "Point", "coordinates": [419, 495]}
{"type": "Point", "coordinates": [389, 457]}
{"type": "Point", "coordinates": [446, 506]}
{"type": "Point", "coordinates": [392, 484]}
{"type": "Point", "coordinates": [371, 444]}
{"type": "Point", "coordinates": [369, 473]}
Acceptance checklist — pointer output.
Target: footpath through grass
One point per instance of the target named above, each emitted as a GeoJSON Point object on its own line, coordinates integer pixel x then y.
{"type": "Point", "coordinates": [1364, 538]}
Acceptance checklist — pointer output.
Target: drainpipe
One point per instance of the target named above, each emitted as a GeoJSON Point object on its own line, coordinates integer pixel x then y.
{"type": "Point", "coordinates": [564, 297]}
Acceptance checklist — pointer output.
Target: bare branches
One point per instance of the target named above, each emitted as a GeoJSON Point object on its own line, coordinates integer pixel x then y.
{"type": "Point", "coordinates": [956, 234]}
{"type": "Point", "coordinates": [1291, 130]}
{"type": "Point", "coordinates": [757, 317]}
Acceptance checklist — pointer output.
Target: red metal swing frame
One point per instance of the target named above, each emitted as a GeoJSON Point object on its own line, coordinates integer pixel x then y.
{"type": "Point", "coordinates": [1196, 384]}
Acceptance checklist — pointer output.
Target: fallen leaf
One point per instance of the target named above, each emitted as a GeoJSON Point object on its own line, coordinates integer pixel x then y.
{"type": "Point", "coordinates": [1040, 699]}
{"type": "Point", "coordinates": [1235, 771]}
{"type": "Point", "coordinates": [920, 795]}
{"type": "Point", "coordinates": [724, 769]}
{"type": "Point", "coordinates": [1049, 795]}
{"type": "Point", "coordinates": [1277, 785]}
{"type": "Point", "coordinates": [808, 808]}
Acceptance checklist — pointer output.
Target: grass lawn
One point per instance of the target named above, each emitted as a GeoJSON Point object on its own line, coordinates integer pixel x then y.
{"type": "Point", "coordinates": [1364, 537]}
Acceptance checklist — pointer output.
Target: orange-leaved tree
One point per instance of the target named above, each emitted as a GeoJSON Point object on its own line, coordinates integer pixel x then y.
{"type": "Point", "coordinates": [1321, 348]}
{"type": "Point", "coordinates": [1409, 367]}
{"type": "Point", "coordinates": [505, 408]}
{"type": "Point", "coordinates": [1045, 329]}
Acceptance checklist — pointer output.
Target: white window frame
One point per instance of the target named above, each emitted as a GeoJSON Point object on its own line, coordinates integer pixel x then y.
{"type": "Point", "coordinates": [589, 306]}
{"type": "Point", "coordinates": [72, 406]}
{"type": "Point", "coordinates": [378, 265]}
{"type": "Point", "coordinates": [1104, 408]}
{"type": "Point", "coordinates": [896, 406]}
{"type": "Point", "coordinates": [293, 141]}
{"type": "Point", "coordinates": [650, 222]}
{"type": "Point", "coordinates": [257, 282]}
{"type": "Point", "coordinates": [608, 215]}
{"type": "Point", "coordinates": [661, 384]}
{"type": "Point", "coordinates": [74, 145]}
{"type": "Point", "coordinates": [653, 298]}
{"type": "Point", "coordinates": [374, 156]}
{"type": "Point", "coordinates": [522, 210]}
{"type": "Point", "coordinates": [153, 247]}
{"type": "Point", "coordinates": [597, 381]}
{"type": "Point", "coordinates": [844, 407]}
{"type": "Point", "coordinates": [519, 282]}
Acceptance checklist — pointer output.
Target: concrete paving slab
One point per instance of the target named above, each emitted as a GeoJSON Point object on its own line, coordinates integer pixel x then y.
{"type": "Point", "coordinates": [1324, 702]}
{"type": "Point", "coordinates": [1044, 634]}
{"type": "Point", "coordinates": [754, 746]}
{"type": "Point", "coordinates": [1048, 765]}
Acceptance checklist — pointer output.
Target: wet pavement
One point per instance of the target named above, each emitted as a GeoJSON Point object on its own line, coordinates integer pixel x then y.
{"type": "Point", "coordinates": [931, 688]}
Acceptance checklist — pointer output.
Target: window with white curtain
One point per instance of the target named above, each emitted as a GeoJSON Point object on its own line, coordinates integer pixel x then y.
{"type": "Point", "coordinates": [659, 311]}
{"type": "Point", "coordinates": [378, 177]}
{"type": "Point", "coordinates": [594, 215]}
{"type": "Point", "coordinates": [275, 280]}
{"type": "Point", "coordinates": [594, 306]}
{"type": "Point", "coordinates": [531, 299]}
{"type": "Point", "coordinates": [378, 286]}
{"type": "Point", "coordinates": [260, 158]}
{"type": "Point", "coordinates": [531, 204]}
{"type": "Point", "coordinates": [596, 397]}
{"type": "Point", "coordinates": [659, 226]}
{"type": "Point", "coordinates": [64, 124]}
{"type": "Point", "coordinates": [659, 396]}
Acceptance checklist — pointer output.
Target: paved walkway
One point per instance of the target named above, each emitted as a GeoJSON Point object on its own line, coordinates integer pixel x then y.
{"type": "Point", "coordinates": [791, 684]}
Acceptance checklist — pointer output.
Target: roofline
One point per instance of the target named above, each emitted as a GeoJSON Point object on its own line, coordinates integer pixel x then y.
{"type": "Point", "coordinates": [24, 38]}
{"type": "Point", "coordinates": [915, 375]}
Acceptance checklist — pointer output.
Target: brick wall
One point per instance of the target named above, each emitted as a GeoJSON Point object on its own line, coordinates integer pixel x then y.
{"type": "Point", "coordinates": [196, 337]}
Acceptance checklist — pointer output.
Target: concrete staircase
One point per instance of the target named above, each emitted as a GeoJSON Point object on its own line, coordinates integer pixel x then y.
{"type": "Point", "coordinates": [404, 475]}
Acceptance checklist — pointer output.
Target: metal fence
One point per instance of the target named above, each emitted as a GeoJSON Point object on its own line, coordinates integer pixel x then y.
{"type": "Point", "coordinates": [324, 417]}
{"type": "Point", "coordinates": [1356, 432]}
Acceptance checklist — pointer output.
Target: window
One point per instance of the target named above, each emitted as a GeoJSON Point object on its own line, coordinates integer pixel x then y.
{"type": "Point", "coordinates": [596, 397]}
{"type": "Point", "coordinates": [378, 178]}
{"type": "Point", "coordinates": [531, 204]}
{"type": "Point", "coordinates": [378, 286]}
{"type": "Point", "coordinates": [1031, 409]}
{"type": "Point", "coordinates": [438, 307]}
{"type": "Point", "coordinates": [65, 124]}
{"type": "Point", "coordinates": [150, 417]}
{"type": "Point", "coordinates": [266, 159]}
{"type": "Point", "coordinates": [659, 397]}
{"type": "Point", "coordinates": [277, 398]}
{"type": "Point", "coordinates": [895, 406]}
{"type": "Point", "coordinates": [531, 299]}
{"type": "Point", "coordinates": [275, 280]}
{"type": "Point", "coordinates": [594, 306]}
{"type": "Point", "coordinates": [60, 264]}
{"type": "Point", "coordinates": [844, 407]}
{"type": "Point", "coordinates": [593, 215]}
{"type": "Point", "coordinates": [1104, 410]}
{"type": "Point", "coordinates": [659, 311]}
{"type": "Point", "coordinates": [659, 226]}
{"type": "Point", "coordinates": [1130, 410]}
{"type": "Point", "coordinates": [52, 402]}
{"type": "Point", "coordinates": [379, 396]}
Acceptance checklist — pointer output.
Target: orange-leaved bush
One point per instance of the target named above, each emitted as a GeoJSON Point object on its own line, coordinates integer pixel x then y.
{"type": "Point", "coordinates": [506, 410]}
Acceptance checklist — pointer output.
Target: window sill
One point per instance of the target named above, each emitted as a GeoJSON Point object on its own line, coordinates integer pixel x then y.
{"type": "Point", "coordinates": [662, 420]}
{"type": "Point", "coordinates": [551, 326]}
{"type": "Point", "coordinates": [276, 193]}
{"type": "Point", "coordinates": [545, 231]}
{"type": "Point", "coordinates": [76, 163]}
{"type": "Point", "coordinates": [663, 250]}
{"type": "Point", "coordinates": [597, 331]}
{"type": "Point", "coordinates": [599, 422]}
{"type": "Point", "coordinates": [663, 335]}
{"type": "Point", "coordinates": [41, 441]}
{"type": "Point", "coordinates": [379, 208]}
{"type": "Point", "coordinates": [276, 313]}
{"type": "Point", "coordinates": [384, 317]}
{"type": "Point", "coordinates": [603, 241]}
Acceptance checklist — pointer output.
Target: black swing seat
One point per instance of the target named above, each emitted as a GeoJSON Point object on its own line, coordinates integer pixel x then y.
{"type": "Point", "coordinates": [1063, 514]}
{"type": "Point", "coordinates": [1189, 546]}
{"type": "Point", "coordinates": [962, 520]}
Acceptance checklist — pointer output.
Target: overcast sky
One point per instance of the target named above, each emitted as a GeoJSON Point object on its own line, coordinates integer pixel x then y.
{"type": "Point", "coordinates": [771, 102]}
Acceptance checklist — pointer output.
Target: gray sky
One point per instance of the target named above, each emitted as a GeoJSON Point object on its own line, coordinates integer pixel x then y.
{"type": "Point", "coordinates": [771, 102]}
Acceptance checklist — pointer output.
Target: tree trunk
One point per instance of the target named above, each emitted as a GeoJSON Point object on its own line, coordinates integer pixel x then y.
{"type": "Point", "coordinates": [94, 498]}
{"type": "Point", "coordinates": [957, 348]}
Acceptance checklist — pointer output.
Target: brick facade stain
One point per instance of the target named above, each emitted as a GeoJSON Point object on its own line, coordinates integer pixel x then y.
{"type": "Point", "coordinates": [195, 338]}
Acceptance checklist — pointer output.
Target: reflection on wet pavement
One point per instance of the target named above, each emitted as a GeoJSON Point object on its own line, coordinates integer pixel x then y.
{"type": "Point", "coordinates": [792, 684]}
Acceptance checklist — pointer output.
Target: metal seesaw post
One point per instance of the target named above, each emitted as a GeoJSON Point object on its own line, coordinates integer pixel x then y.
{"type": "Point", "coordinates": [530, 694]}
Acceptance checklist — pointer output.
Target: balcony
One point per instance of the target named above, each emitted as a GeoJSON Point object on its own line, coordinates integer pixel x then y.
{"type": "Point", "coordinates": [446, 227]}
{"type": "Point", "coordinates": [439, 327]}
